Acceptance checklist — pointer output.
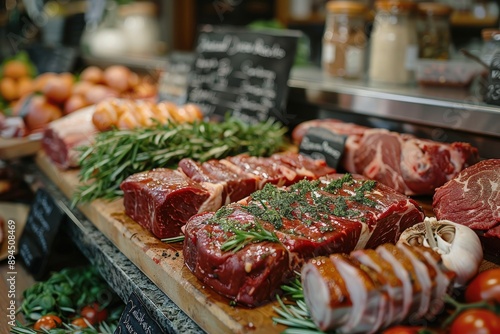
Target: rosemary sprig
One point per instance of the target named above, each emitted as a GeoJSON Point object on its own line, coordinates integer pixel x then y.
{"type": "Point", "coordinates": [243, 235]}
{"type": "Point", "coordinates": [296, 317]}
{"type": "Point", "coordinates": [116, 154]}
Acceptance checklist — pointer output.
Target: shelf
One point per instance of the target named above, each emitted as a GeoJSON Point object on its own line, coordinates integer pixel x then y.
{"type": "Point", "coordinates": [457, 110]}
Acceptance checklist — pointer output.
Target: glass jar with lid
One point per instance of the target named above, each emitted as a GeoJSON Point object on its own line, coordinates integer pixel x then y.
{"type": "Point", "coordinates": [491, 44]}
{"type": "Point", "coordinates": [433, 27]}
{"type": "Point", "coordinates": [141, 28]}
{"type": "Point", "coordinates": [344, 39]}
{"type": "Point", "coordinates": [394, 45]}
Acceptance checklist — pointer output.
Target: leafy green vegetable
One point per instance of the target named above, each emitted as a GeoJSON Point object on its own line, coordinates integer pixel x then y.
{"type": "Point", "coordinates": [65, 292]}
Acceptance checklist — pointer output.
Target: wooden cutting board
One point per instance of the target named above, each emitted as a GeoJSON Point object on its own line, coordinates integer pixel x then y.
{"type": "Point", "coordinates": [164, 263]}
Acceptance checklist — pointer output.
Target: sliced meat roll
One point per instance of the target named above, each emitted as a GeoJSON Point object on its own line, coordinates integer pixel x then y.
{"type": "Point", "coordinates": [443, 280]}
{"type": "Point", "coordinates": [368, 302]}
{"type": "Point", "coordinates": [325, 293]}
{"type": "Point", "coordinates": [393, 285]}
{"type": "Point", "coordinates": [424, 273]}
{"type": "Point", "coordinates": [406, 273]}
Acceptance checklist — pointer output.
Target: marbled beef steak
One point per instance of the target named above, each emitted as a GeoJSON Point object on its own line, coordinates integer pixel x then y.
{"type": "Point", "coordinates": [472, 198]}
{"type": "Point", "coordinates": [335, 214]}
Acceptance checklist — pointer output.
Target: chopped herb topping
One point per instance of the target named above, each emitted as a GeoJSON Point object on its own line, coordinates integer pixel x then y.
{"type": "Point", "coordinates": [336, 185]}
{"type": "Point", "coordinates": [359, 195]}
{"type": "Point", "coordinates": [302, 201]}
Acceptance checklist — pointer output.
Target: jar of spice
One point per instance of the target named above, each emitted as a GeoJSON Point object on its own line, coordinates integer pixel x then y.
{"type": "Point", "coordinates": [433, 27]}
{"type": "Point", "coordinates": [344, 39]}
{"type": "Point", "coordinates": [394, 45]}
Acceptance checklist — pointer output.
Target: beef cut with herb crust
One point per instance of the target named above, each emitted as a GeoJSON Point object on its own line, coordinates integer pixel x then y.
{"type": "Point", "coordinates": [247, 250]}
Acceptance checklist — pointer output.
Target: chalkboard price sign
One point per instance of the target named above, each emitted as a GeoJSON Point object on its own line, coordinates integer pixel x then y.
{"type": "Point", "coordinates": [135, 318]}
{"type": "Point", "coordinates": [243, 72]}
{"type": "Point", "coordinates": [38, 236]}
{"type": "Point", "coordinates": [320, 143]}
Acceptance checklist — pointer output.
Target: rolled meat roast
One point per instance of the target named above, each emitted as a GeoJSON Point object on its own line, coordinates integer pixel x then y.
{"type": "Point", "coordinates": [372, 289]}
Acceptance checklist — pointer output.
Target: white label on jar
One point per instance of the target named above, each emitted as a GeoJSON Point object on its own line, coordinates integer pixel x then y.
{"type": "Point", "coordinates": [328, 54]}
{"type": "Point", "coordinates": [354, 59]}
{"type": "Point", "coordinates": [411, 57]}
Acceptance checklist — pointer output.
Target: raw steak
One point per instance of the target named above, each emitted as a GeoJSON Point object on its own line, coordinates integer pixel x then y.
{"type": "Point", "coordinates": [335, 214]}
{"type": "Point", "coordinates": [408, 164]}
{"type": "Point", "coordinates": [62, 136]}
{"type": "Point", "coordinates": [220, 181]}
{"type": "Point", "coordinates": [472, 198]}
{"type": "Point", "coordinates": [162, 200]}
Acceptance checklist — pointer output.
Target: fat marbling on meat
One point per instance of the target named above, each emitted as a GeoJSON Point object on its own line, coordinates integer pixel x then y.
{"type": "Point", "coordinates": [472, 198]}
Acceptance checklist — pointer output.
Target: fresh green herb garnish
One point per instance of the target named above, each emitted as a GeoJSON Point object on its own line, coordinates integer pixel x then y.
{"type": "Point", "coordinates": [245, 234]}
{"type": "Point", "coordinates": [336, 185]}
{"type": "Point", "coordinates": [116, 154]}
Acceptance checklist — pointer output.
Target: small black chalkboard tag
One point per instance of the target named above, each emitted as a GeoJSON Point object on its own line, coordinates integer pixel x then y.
{"type": "Point", "coordinates": [320, 143]}
{"type": "Point", "coordinates": [135, 318]}
{"type": "Point", "coordinates": [42, 226]}
{"type": "Point", "coordinates": [242, 72]}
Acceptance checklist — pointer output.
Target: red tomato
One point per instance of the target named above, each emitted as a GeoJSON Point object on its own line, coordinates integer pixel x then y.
{"type": "Point", "coordinates": [94, 314]}
{"type": "Point", "coordinates": [47, 322]}
{"type": "Point", "coordinates": [476, 321]}
{"type": "Point", "coordinates": [485, 286]}
{"type": "Point", "coordinates": [79, 322]}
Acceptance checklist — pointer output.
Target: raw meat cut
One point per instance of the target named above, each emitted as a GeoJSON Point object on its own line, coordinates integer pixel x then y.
{"type": "Point", "coordinates": [162, 200]}
{"type": "Point", "coordinates": [221, 181]}
{"type": "Point", "coordinates": [408, 164]}
{"type": "Point", "coordinates": [335, 214]}
{"type": "Point", "coordinates": [62, 136]}
{"type": "Point", "coordinates": [472, 198]}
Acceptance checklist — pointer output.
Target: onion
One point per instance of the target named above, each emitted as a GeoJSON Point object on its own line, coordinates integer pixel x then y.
{"type": "Point", "coordinates": [459, 246]}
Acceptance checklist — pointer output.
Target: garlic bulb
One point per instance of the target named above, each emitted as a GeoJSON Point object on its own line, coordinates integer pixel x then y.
{"type": "Point", "coordinates": [459, 246]}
